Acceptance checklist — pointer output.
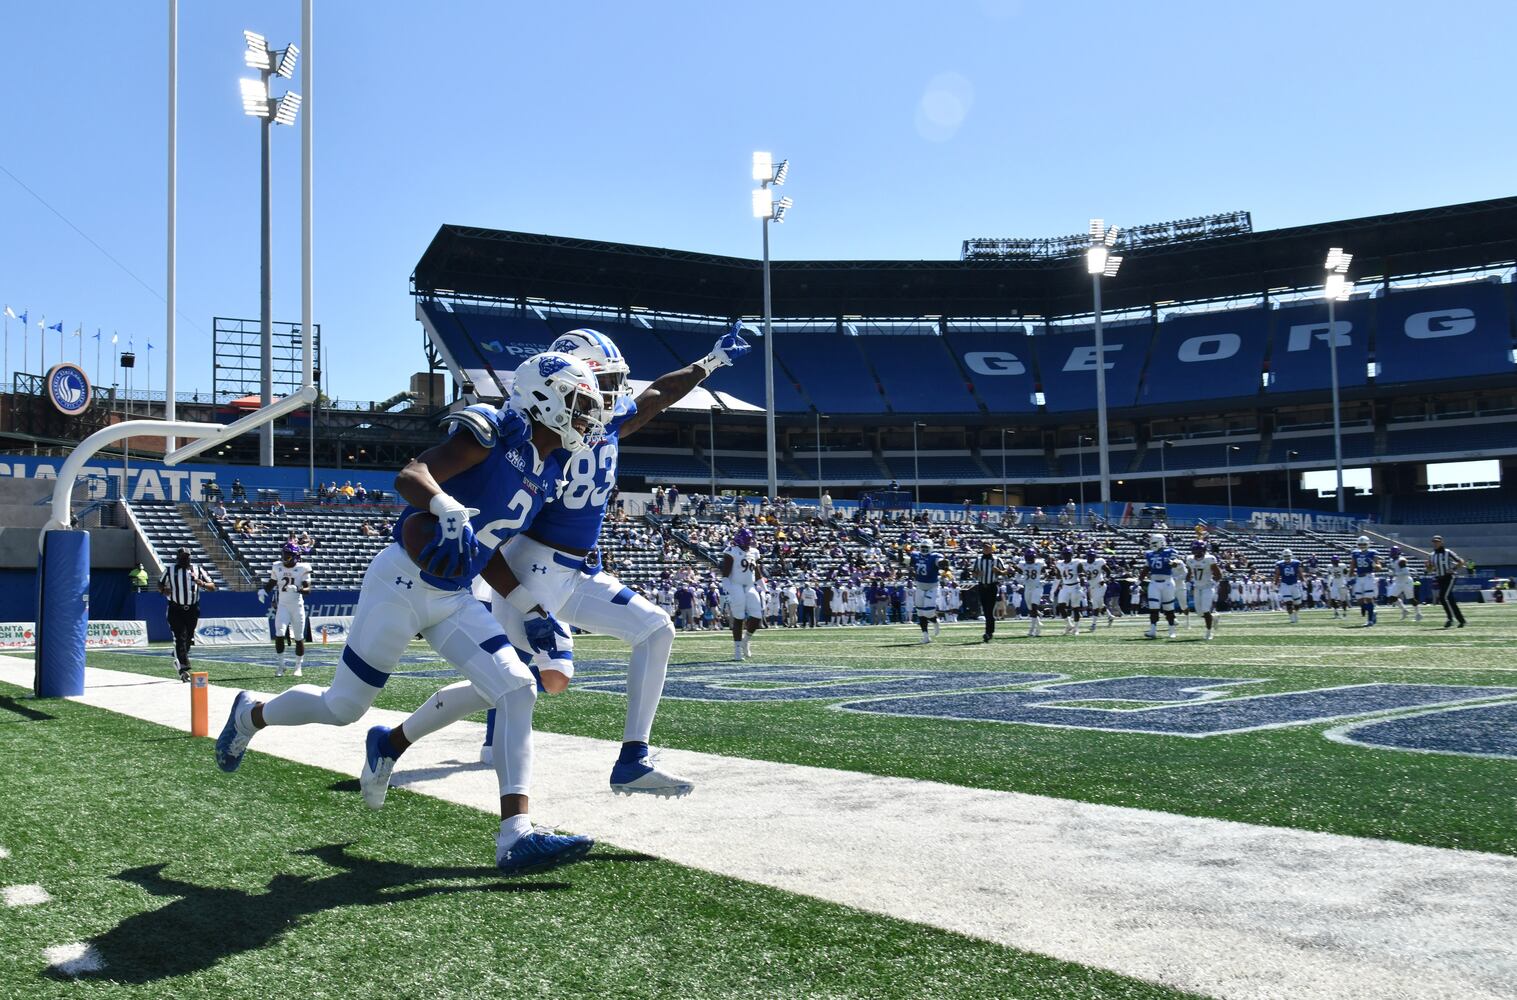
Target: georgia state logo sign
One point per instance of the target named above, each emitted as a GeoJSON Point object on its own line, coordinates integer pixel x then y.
{"type": "Point", "coordinates": [69, 389]}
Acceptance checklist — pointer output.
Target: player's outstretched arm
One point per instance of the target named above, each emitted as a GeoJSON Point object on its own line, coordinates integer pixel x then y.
{"type": "Point", "coordinates": [670, 388]}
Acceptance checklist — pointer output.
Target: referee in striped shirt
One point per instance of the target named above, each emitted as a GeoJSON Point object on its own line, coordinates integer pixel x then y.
{"type": "Point", "coordinates": [182, 583]}
{"type": "Point", "coordinates": [1442, 563]}
{"type": "Point", "coordinates": [987, 583]}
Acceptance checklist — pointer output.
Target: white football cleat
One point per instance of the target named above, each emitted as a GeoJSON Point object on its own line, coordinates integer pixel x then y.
{"type": "Point", "coordinates": [644, 777]}
{"type": "Point", "coordinates": [926, 639]}
{"type": "Point", "coordinates": [279, 670]}
{"type": "Point", "coordinates": [1151, 632]}
{"type": "Point", "coordinates": [1171, 631]}
{"type": "Point", "coordinates": [298, 671]}
{"type": "Point", "coordinates": [374, 776]}
{"type": "Point", "coordinates": [936, 628]}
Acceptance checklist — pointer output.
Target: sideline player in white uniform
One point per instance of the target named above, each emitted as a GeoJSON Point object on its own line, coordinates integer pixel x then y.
{"type": "Point", "coordinates": [1032, 590]}
{"type": "Point", "coordinates": [1337, 587]}
{"type": "Point", "coordinates": [926, 575]}
{"type": "Point", "coordinates": [482, 487]}
{"type": "Point", "coordinates": [1365, 561]}
{"type": "Point", "coordinates": [1206, 572]}
{"type": "Point", "coordinates": [289, 581]}
{"type": "Point", "coordinates": [1095, 570]}
{"type": "Point", "coordinates": [1071, 596]}
{"type": "Point", "coordinates": [741, 572]}
{"type": "Point", "coordinates": [1159, 569]}
{"type": "Point", "coordinates": [1288, 583]}
{"type": "Point", "coordinates": [1403, 583]}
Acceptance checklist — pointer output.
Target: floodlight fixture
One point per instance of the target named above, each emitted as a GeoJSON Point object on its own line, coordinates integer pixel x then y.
{"type": "Point", "coordinates": [286, 110]}
{"type": "Point", "coordinates": [1337, 287]}
{"type": "Point", "coordinates": [780, 208]}
{"type": "Point", "coordinates": [763, 166]}
{"type": "Point", "coordinates": [1097, 227]}
{"type": "Point", "coordinates": [781, 173]}
{"type": "Point", "coordinates": [287, 61]}
{"type": "Point", "coordinates": [1111, 236]}
{"type": "Point", "coordinates": [1113, 262]}
{"type": "Point", "coordinates": [255, 98]}
{"type": "Point", "coordinates": [1338, 261]}
{"type": "Point", "coordinates": [257, 55]}
{"type": "Point", "coordinates": [763, 208]}
{"type": "Point", "coordinates": [1095, 259]}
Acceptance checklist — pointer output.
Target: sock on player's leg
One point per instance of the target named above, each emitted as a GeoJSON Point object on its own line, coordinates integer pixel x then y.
{"type": "Point", "coordinates": [513, 740]}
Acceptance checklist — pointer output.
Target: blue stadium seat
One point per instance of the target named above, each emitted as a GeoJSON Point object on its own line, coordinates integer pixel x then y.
{"type": "Point", "coordinates": [1000, 367]}
{"type": "Point", "coordinates": [831, 369]}
{"type": "Point", "coordinates": [1298, 355]}
{"type": "Point", "coordinates": [654, 465]}
{"type": "Point", "coordinates": [918, 374]}
{"type": "Point", "coordinates": [1441, 333]}
{"type": "Point", "coordinates": [745, 380]}
{"type": "Point", "coordinates": [1075, 388]}
{"type": "Point", "coordinates": [1460, 437]}
{"type": "Point", "coordinates": [1207, 355]}
{"type": "Point", "coordinates": [1319, 447]}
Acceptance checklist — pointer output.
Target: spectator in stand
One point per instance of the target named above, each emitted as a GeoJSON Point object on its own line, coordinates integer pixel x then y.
{"type": "Point", "coordinates": [1038, 517]}
{"type": "Point", "coordinates": [673, 498]}
{"type": "Point", "coordinates": [238, 493]}
{"type": "Point", "coordinates": [276, 507]}
{"type": "Point", "coordinates": [219, 514]}
{"type": "Point", "coordinates": [366, 529]}
{"type": "Point", "coordinates": [967, 511]}
{"type": "Point", "coordinates": [361, 493]}
{"type": "Point", "coordinates": [826, 503]}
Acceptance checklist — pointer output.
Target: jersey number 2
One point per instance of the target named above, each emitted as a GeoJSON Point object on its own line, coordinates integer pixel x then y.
{"type": "Point", "coordinates": [491, 534]}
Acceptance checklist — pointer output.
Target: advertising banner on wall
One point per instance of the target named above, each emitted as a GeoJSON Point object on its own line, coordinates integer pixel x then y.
{"type": "Point", "coordinates": [100, 635]}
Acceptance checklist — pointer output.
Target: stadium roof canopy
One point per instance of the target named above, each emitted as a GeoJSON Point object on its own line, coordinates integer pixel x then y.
{"type": "Point", "coordinates": [478, 263]}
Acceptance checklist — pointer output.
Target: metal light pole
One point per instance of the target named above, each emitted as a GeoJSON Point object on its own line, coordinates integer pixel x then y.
{"type": "Point", "coordinates": [169, 404]}
{"type": "Point", "coordinates": [1334, 288]}
{"type": "Point", "coordinates": [1229, 455]}
{"type": "Point", "coordinates": [819, 419]}
{"type": "Point", "coordinates": [1099, 262]}
{"type": "Point", "coordinates": [766, 208]}
{"type": "Point", "coordinates": [1080, 458]}
{"type": "Point", "coordinates": [1004, 484]}
{"type": "Point", "coordinates": [916, 465]}
{"type": "Point", "coordinates": [1290, 505]}
{"type": "Point", "coordinates": [711, 422]}
{"type": "Point", "coordinates": [1163, 473]}
{"type": "Point", "coordinates": [257, 103]}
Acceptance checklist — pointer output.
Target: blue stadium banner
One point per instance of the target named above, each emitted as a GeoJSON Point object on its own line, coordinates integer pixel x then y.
{"type": "Point", "coordinates": [1067, 362]}
{"type": "Point", "coordinates": [155, 481]}
{"type": "Point", "coordinates": [1210, 355]}
{"type": "Point", "coordinates": [1444, 332]}
{"type": "Point", "coordinates": [1298, 355]}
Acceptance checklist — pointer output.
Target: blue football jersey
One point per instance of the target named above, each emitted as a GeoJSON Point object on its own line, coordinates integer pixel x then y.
{"type": "Point", "coordinates": [574, 521]}
{"type": "Point", "coordinates": [1364, 562]}
{"type": "Point", "coordinates": [926, 567]}
{"type": "Point", "coordinates": [1158, 562]}
{"type": "Point", "coordinates": [508, 488]}
{"type": "Point", "coordinates": [1290, 572]}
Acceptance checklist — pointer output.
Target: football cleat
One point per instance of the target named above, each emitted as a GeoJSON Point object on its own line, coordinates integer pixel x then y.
{"type": "Point", "coordinates": [487, 754]}
{"type": "Point", "coordinates": [298, 672]}
{"type": "Point", "coordinates": [184, 674]}
{"type": "Point", "coordinates": [1208, 635]}
{"type": "Point", "coordinates": [233, 742]}
{"type": "Point", "coordinates": [1171, 631]}
{"type": "Point", "coordinates": [1151, 632]}
{"type": "Point", "coordinates": [936, 628]}
{"type": "Point", "coordinates": [374, 777]}
{"type": "Point", "coordinates": [926, 638]}
{"type": "Point", "coordinates": [279, 670]}
{"type": "Point", "coordinates": [644, 777]}
{"type": "Point", "coordinates": [540, 851]}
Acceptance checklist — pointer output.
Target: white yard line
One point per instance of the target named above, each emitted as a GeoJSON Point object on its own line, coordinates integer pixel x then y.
{"type": "Point", "coordinates": [25, 895]}
{"type": "Point", "coordinates": [1226, 909]}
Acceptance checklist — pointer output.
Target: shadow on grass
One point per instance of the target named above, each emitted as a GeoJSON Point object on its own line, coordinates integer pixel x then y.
{"type": "Point", "coordinates": [27, 712]}
{"type": "Point", "coordinates": [205, 924]}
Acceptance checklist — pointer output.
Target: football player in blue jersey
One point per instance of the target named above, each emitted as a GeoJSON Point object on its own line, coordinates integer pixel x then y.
{"type": "Point", "coordinates": [1159, 570]}
{"type": "Point", "coordinates": [927, 569]}
{"type": "Point", "coordinates": [557, 585]}
{"type": "Point", "coordinates": [1288, 583]}
{"type": "Point", "coordinates": [1365, 561]}
{"type": "Point", "coordinates": [483, 484]}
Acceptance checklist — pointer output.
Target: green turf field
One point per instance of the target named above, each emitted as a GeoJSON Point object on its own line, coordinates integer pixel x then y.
{"type": "Point", "coordinates": [282, 885]}
{"type": "Point", "coordinates": [1289, 776]}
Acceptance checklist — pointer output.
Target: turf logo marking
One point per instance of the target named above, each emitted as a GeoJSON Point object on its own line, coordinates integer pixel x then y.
{"type": "Point", "coordinates": [700, 682]}
{"type": "Point", "coordinates": [1184, 706]}
{"type": "Point", "coordinates": [73, 959]}
{"type": "Point", "coordinates": [25, 895]}
{"type": "Point", "coordinates": [1469, 731]}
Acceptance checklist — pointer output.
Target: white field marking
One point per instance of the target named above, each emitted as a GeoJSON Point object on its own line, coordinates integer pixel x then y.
{"type": "Point", "coordinates": [74, 959]}
{"type": "Point", "coordinates": [4, 854]}
{"type": "Point", "coordinates": [1231, 910]}
{"type": "Point", "coordinates": [25, 895]}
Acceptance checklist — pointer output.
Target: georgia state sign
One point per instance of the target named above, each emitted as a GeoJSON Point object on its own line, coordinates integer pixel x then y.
{"type": "Point", "coordinates": [69, 388]}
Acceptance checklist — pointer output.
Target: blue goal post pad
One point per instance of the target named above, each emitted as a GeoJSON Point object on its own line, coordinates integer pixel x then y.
{"type": "Point", "coordinates": [63, 613]}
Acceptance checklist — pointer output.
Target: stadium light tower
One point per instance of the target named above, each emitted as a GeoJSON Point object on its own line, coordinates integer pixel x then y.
{"type": "Point", "coordinates": [1335, 289]}
{"type": "Point", "coordinates": [1100, 262]}
{"type": "Point", "coordinates": [1164, 447]}
{"type": "Point", "coordinates": [1290, 504]}
{"type": "Point", "coordinates": [767, 209]}
{"type": "Point", "coordinates": [820, 416]}
{"type": "Point", "coordinates": [258, 103]}
{"type": "Point", "coordinates": [1004, 485]}
{"type": "Point", "coordinates": [711, 427]}
{"type": "Point", "coordinates": [1229, 456]}
{"type": "Point", "coordinates": [916, 464]}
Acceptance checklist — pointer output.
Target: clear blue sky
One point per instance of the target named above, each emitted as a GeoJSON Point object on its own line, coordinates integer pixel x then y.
{"type": "Point", "coordinates": [910, 126]}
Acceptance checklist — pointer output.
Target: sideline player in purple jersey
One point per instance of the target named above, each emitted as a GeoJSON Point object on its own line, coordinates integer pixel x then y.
{"type": "Point", "coordinates": [549, 558]}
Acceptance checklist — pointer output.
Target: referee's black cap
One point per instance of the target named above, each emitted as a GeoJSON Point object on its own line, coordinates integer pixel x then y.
{"type": "Point", "coordinates": [182, 556]}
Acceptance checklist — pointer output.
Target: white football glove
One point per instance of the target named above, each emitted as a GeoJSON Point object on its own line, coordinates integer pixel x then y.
{"type": "Point", "coordinates": [263, 596]}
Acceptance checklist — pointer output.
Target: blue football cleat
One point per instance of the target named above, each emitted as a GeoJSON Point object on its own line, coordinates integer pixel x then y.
{"type": "Point", "coordinates": [541, 850]}
{"type": "Point", "coordinates": [233, 742]}
{"type": "Point", "coordinates": [643, 776]}
{"type": "Point", "coordinates": [374, 779]}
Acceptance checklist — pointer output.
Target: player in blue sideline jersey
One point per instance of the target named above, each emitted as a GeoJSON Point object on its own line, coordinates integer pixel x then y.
{"type": "Point", "coordinates": [549, 558]}
{"type": "Point", "coordinates": [926, 573]}
{"type": "Point", "coordinates": [483, 485]}
{"type": "Point", "coordinates": [1365, 561]}
{"type": "Point", "coordinates": [1159, 570]}
{"type": "Point", "coordinates": [1288, 583]}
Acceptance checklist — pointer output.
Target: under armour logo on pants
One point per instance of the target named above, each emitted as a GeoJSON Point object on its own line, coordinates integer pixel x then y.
{"type": "Point", "coordinates": [402, 581]}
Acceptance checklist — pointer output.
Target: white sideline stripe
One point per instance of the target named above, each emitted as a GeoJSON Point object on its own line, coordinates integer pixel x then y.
{"type": "Point", "coordinates": [1227, 909]}
{"type": "Point", "coordinates": [25, 895]}
{"type": "Point", "coordinates": [74, 958]}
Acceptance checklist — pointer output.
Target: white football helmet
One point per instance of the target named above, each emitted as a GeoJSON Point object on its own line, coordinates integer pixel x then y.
{"type": "Point", "coordinates": [925, 546]}
{"type": "Point", "coordinates": [560, 392]}
{"type": "Point", "coordinates": [604, 358]}
{"type": "Point", "coordinates": [1362, 541]}
{"type": "Point", "coordinates": [1286, 554]}
{"type": "Point", "coordinates": [1157, 541]}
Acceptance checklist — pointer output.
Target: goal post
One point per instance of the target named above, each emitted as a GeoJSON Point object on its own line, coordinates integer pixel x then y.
{"type": "Point", "coordinates": [63, 557]}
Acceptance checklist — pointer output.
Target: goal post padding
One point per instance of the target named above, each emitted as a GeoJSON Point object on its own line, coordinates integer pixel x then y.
{"type": "Point", "coordinates": [63, 613]}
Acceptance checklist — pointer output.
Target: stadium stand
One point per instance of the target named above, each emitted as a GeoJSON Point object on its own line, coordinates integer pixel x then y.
{"type": "Point", "coordinates": [1066, 362]}
{"type": "Point", "coordinates": [342, 553]}
{"type": "Point", "coordinates": [919, 375]}
{"type": "Point", "coordinates": [999, 366]}
{"type": "Point", "coordinates": [832, 370]}
{"type": "Point", "coordinates": [166, 531]}
{"type": "Point", "coordinates": [667, 465]}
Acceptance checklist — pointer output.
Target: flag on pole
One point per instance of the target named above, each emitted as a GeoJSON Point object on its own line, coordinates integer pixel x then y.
{"type": "Point", "coordinates": [22, 317]}
{"type": "Point", "coordinates": [10, 313]}
{"type": "Point", "coordinates": [97, 334]}
{"type": "Point", "coordinates": [56, 326]}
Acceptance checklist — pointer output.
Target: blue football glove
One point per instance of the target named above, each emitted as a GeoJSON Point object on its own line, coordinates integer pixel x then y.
{"type": "Point", "coordinates": [515, 430]}
{"type": "Point", "coordinates": [452, 551]}
{"type": "Point", "coordinates": [728, 348]}
{"type": "Point", "coordinates": [543, 635]}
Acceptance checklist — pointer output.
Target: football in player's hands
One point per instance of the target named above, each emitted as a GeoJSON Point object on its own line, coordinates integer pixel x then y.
{"type": "Point", "coordinates": [424, 539]}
